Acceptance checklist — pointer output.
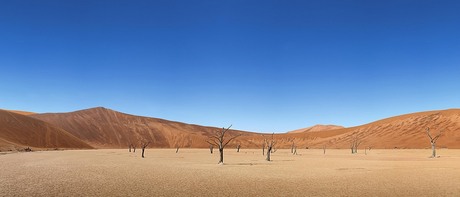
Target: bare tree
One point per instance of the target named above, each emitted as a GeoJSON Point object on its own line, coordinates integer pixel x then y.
{"type": "Point", "coordinates": [263, 148]}
{"type": "Point", "coordinates": [292, 146]}
{"type": "Point", "coordinates": [238, 148]}
{"type": "Point", "coordinates": [324, 149]}
{"type": "Point", "coordinates": [144, 144]}
{"type": "Point", "coordinates": [355, 142]}
{"type": "Point", "coordinates": [211, 148]}
{"type": "Point", "coordinates": [129, 147]}
{"type": "Point", "coordinates": [270, 144]}
{"type": "Point", "coordinates": [177, 149]}
{"type": "Point", "coordinates": [134, 147]}
{"type": "Point", "coordinates": [295, 150]}
{"type": "Point", "coordinates": [218, 139]}
{"type": "Point", "coordinates": [433, 141]}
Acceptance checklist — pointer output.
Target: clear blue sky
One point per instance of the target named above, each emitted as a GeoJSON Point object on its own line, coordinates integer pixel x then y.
{"type": "Point", "coordinates": [259, 65]}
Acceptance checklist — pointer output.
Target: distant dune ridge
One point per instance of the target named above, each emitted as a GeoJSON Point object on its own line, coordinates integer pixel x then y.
{"type": "Point", "coordinates": [104, 128]}
{"type": "Point", "coordinates": [19, 131]}
{"type": "Point", "coordinates": [316, 128]}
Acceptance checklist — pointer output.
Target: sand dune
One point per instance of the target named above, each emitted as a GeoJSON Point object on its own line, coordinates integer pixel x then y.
{"type": "Point", "coordinates": [317, 128]}
{"type": "Point", "coordinates": [19, 131]}
{"type": "Point", "coordinates": [22, 112]}
{"type": "Point", "coordinates": [405, 131]}
{"type": "Point", "coordinates": [105, 128]}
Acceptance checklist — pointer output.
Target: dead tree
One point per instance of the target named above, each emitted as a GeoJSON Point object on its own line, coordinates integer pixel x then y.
{"type": "Point", "coordinates": [355, 142]}
{"type": "Point", "coordinates": [270, 144]}
{"type": "Point", "coordinates": [129, 147]}
{"type": "Point", "coordinates": [433, 141]}
{"type": "Point", "coordinates": [238, 148]}
{"type": "Point", "coordinates": [211, 147]}
{"type": "Point", "coordinates": [218, 139]}
{"type": "Point", "coordinates": [177, 149]}
{"type": "Point", "coordinates": [143, 146]}
{"type": "Point", "coordinates": [263, 148]}
{"type": "Point", "coordinates": [295, 150]}
{"type": "Point", "coordinates": [324, 149]}
{"type": "Point", "coordinates": [292, 146]}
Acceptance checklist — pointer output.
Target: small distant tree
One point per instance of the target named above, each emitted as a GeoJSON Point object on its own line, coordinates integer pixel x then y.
{"type": "Point", "coordinates": [355, 142]}
{"type": "Point", "coordinates": [129, 147]}
{"type": "Point", "coordinates": [144, 144]}
{"type": "Point", "coordinates": [218, 139]}
{"type": "Point", "coordinates": [263, 147]}
{"type": "Point", "coordinates": [177, 149]}
{"type": "Point", "coordinates": [211, 148]}
{"type": "Point", "coordinates": [238, 148]}
{"type": "Point", "coordinates": [324, 149]}
{"type": "Point", "coordinates": [433, 141]}
{"type": "Point", "coordinates": [270, 144]}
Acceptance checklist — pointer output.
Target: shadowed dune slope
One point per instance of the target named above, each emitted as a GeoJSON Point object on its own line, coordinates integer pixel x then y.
{"type": "Point", "coordinates": [19, 131]}
{"type": "Point", "coordinates": [105, 128]}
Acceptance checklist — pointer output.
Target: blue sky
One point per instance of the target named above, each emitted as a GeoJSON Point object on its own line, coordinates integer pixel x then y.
{"type": "Point", "coordinates": [267, 66]}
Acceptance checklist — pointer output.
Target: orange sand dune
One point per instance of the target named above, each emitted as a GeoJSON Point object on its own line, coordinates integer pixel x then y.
{"type": "Point", "coordinates": [317, 128]}
{"type": "Point", "coordinates": [405, 131]}
{"type": "Point", "coordinates": [22, 112]}
{"type": "Point", "coordinates": [19, 131]}
{"type": "Point", "coordinates": [105, 128]}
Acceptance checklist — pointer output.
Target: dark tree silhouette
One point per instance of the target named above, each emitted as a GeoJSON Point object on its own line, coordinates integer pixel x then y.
{"type": "Point", "coordinates": [433, 141]}
{"type": "Point", "coordinates": [238, 148]}
{"type": "Point", "coordinates": [144, 144]}
{"type": "Point", "coordinates": [218, 139]}
{"type": "Point", "coordinates": [355, 142]}
{"type": "Point", "coordinates": [211, 148]}
{"type": "Point", "coordinates": [270, 144]}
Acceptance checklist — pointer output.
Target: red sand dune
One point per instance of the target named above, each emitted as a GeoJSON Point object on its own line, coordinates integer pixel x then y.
{"type": "Point", "coordinates": [105, 128]}
{"type": "Point", "coordinates": [405, 131]}
{"type": "Point", "coordinates": [19, 131]}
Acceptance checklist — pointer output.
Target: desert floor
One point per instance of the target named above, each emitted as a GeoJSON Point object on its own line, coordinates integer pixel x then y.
{"type": "Point", "coordinates": [195, 172]}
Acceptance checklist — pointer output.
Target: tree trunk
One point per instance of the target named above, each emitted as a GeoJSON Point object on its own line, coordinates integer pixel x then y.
{"type": "Point", "coordinates": [177, 149]}
{"type": "Point", "coordinates": [143, 152]}
{"type": "Point", "coordinates": [295, 151]}
{"type": "Point", "coordinates": [134, 149]}
{"type": "Point", "coordinates": [221, 151]}
{"type": "Point", "coordinates": [238, 148]}
{"type": "Point", "coordinates": [263, 150]}
{"type": "Point", "coordinates": [292, 147]}
{"type": "Point", "coordinates": [211, 148]}
{"type": "Point", "coordinates": [269, 149]}
{"type": "Point", "coordinates": [433, 148]}
{"type": "Point", "coordinates": [129, 148]}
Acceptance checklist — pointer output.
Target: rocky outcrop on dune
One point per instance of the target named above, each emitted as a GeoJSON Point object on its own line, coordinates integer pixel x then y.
{"type": "Point", "coordinates": [18, 131]}
{"type": "Point", "coordinates": [105, 128]}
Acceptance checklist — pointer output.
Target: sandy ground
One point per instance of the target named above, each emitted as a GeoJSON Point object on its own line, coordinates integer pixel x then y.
{"type": "Point", "coordinates": [194, 172]}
